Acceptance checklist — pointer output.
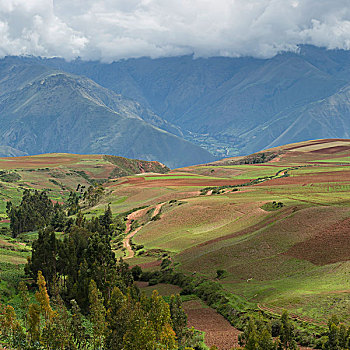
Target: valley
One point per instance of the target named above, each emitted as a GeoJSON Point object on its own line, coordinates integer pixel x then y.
{"type": "Point", "coordinates": [273, 235]}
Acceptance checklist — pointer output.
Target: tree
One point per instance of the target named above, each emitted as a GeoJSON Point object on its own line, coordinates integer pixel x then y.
{"type": "Point", "coordinates": [34, 323]}
{"type": "Point", "coordinates": [78, 330]}
{"type": "Point", "coordinates": [44, 257]}
{"type": "Point", "coordinates": [287, 332]}
{"type": "Point", "coordinates": [159, 315]}
{"type": "Point", "coordinates": [24, 296]}
{"type": "Point", "coordinates": [136, 272]}
{"type": "Point", "coordinates": [178, 316]}
{"type": "Point", "coordinates": [57, 332]}
{"type": "Point", "coordinates": [117, 319]}
{"type": "Point", "coordinates": [93, 195]}
{"type": "Point", "coordinates": [139, 334]}
{"type": "Point", "coordinates": [265, 340]}
{"type": "Point", "coordinates": [106, 219]}
{"type": "Point", "coordinates": [35, 211]}
{"type": "Point", "coordinates": [333, 334]}
{"type": "Point", "coordinates": [251, 337]}
{"type": "Point", "coordinates": [72, 203]}
{"type": "Point", "coordinates": [43, 299]}
{"type": "Point", "coordinates": [97, 315]}
{"type": "Point", "coordinates": [101, 263]}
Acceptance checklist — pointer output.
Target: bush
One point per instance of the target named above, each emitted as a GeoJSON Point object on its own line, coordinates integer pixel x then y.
{"type": "Point", "coordinates": [220, 274]}
{"type": "Point", "coordinates": [272, 206]}
{"type": "Point", "coordinates": [136, 272]}
{"type": "Point", "coordinates": [156, 217]}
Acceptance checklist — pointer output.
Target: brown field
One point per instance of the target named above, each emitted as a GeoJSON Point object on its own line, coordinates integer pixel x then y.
{"type": "Point", "coordinates": [338, 177]}
{"type": "Point", "coordinates": [142, 182]}
{"type": "Point", "coordinates": [328, 246]}
{"type": "Point", "coordinates": [218, 331]}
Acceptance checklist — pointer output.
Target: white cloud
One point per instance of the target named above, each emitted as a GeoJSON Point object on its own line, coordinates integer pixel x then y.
{"type": "Point", "coordinates": [114, 29]}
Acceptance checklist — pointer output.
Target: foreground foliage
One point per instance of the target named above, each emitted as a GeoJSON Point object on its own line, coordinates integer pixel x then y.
{"type": "Point", "coordinates": [85, 298]}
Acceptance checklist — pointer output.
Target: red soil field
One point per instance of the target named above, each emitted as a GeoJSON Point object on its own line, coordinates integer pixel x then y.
{"type": "Point", "coordinates": [150, 264]}
{"type": "Point", "coordinates": [332, 150]}
{"type": "Point", "coordinates": [140, 181]}
{"type": "Point", "coordinates": [218, 331]}
{"type": "Point", "coordinates": [27, 162]}
{"type": "Point", "coordinates": [329, 246]}
{"type": "Point", "coordinates": [339, 176]}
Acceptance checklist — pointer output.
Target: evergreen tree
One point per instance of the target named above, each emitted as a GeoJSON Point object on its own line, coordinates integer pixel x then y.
{"type": "Point", "coordinates": [287, 332]}
{"type": "Point", "coordinates": [106, 219]}
{"type": "Point", "coordinates": [139, 334]}
{"type": "Point", "coordinates": [43, 299]}
{"type": "Point", "coordinates": [24, 296]}
{"type": "Point", "coordinates": [117, 319]}
{"type": "Point", "coordinates": [178, 316]}
{"type": "Point", "coordinates": [265, 340]}
{"type": "Point", "coordinates": [34, 323]}
{"type": "Point", "coordinates": [78, 330]}
{"type": "Point", "coordinates": [35, 211]}
{"type": "Point", "coordinates": [333, 334]}
{"type": "Point", "coordinates": [251, 337]}
{"type": "Point", "coordinates": [97, 315]}
{"type": "Point", "coordinates": [101, 263]}
{"type": "Point", "coordinates": [44, 257]}
{"type": "Point", "coordinates": [159, 315]}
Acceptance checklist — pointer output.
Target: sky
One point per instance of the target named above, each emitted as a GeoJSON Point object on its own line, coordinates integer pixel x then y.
{"type": "Point", "coordinates": [109, 30]}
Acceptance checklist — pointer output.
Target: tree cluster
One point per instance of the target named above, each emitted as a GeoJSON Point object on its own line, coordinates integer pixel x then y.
{"type": "Point", "coordinates": [86, 299]}
{"type": "Point", "coordinates": [126, 321]}
{"type": "Point", "coordinates": [258, 335]}
{"type": "Point", "coordinates": [35, 211]}
{"type": "Point", "coordinates": [84, 254]}
{"type": "Point", "coordinates": [338, 336]}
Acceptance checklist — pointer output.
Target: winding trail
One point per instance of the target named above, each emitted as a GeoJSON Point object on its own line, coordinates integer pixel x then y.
{"type": "Point", "coordinates": [126, 243]}
{"type": "Point", "coordinates": [129, 235]}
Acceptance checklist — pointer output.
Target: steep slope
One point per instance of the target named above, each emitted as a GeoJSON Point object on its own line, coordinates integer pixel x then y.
{"type": "Point", "coordinates": [218, 102]}
{"type": "Point", "coordinates": [6, 151]}
{"type": "Point", "coordinates": [59, 112]}
{"type": "Point", "coordinates": [252, 97]}
{"type": "Point", "coordinates": [326, 118]}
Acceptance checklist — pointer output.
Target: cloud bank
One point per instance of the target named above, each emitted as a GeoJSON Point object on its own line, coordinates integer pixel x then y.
{"type": "Point", "coordinates": [109, 30]}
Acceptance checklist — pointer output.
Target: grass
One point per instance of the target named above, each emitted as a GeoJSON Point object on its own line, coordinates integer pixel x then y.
{"type": "Point", "coordinates": [180, 177]}
{"type": "Point", "coordinates": [241, 232]}
{"type": "Point", "coordinates": [333, 160]}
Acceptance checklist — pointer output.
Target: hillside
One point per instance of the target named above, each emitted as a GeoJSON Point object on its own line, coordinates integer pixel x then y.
{"type": "Point", "coordinates": [61, 173]}
{"type": "Point", "coordinates": [270, 228]}
{"type": "Point", "coordinates": [233, 106]}
{"type": "Point", "coordinates": [295, 256]}
{"type": "Point", "coordinates": [47, 111]}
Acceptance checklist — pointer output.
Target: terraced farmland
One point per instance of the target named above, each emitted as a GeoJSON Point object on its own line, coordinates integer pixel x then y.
{"type": "Point", "coordinates": [295, 257]}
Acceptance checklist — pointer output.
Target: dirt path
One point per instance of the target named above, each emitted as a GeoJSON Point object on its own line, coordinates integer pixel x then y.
{"type": "Point", "coordinates": [157, 209]}
{"type": "Point", "coordinates": [126, 243]}
{"type": "Point", "coordinates": [131, 217]}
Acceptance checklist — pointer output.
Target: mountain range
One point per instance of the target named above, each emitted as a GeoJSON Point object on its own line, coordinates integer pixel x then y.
{"type": "Point", "coordinates": [44, 110]}
{"type": "Point", "coordinates": [177, 110]}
